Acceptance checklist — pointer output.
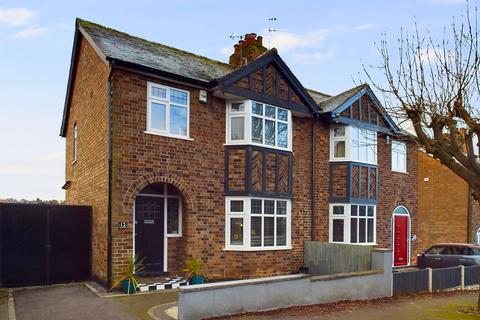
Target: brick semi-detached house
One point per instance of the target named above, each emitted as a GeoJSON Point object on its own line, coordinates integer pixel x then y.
{"type": "Point", "coordinates": [237, 164]}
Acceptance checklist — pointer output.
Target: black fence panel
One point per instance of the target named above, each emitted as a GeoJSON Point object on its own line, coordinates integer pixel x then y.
{"type": "Point", "coordinates": [409, 282]}
{"type": "Point", "coordinates": [44, 244]}
{"type": "Point", "coordinates": [472, 275]}
{"type": "Point", "coordinates": [446, 278]}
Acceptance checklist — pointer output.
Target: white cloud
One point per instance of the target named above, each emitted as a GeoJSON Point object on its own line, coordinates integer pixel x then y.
{"type": "Point", "coordinates": [31, 32]}
{"type": "Point", "coordinates": [287, 41]}
{"type": "Point", "coordinates": [433, 56]}
{"type": "Point", "coordinates": [226, 51]}
{"type": "Point", "coordinates": [16, 16]}
{"type": "Point", "coordinates": [314, 57]}
{"type": "Point", "coordinates": [364, 26]}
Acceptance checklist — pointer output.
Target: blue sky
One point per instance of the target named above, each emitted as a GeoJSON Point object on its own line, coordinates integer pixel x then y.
{"type": "Point", "coordinates": [323, 42]}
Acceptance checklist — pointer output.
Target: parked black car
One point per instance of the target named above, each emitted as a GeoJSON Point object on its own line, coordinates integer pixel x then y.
{"type": "Point", "coordinates": [444, 255]}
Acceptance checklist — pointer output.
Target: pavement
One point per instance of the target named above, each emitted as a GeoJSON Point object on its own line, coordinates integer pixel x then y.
{"type": "Point", "coordinates": [77, 302]}
{"type": "Point", "coordinates": [3, 304]}
{"type": "Point", "coordinates": [422, 307]}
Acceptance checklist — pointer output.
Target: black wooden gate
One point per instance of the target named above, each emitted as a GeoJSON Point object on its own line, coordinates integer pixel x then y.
{"type": "Point", "coordinates": [44, 244]}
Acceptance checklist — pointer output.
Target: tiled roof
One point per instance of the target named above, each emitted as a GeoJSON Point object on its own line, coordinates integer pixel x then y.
{"type": "Point", "coordinates": [124, 47]}
{"type": "Point", "coordinates": [318, 96]}
{"type": "Point", "coordinates": [129, 49]}
{"type": "Point", "coordinates": [121, 46]}
{"type": "Point", "coordinates": [332, 103]}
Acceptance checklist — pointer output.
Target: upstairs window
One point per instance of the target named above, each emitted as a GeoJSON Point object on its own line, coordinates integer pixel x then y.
{"type": "Point", "coordinates": [251, 122]}
{"type": "Point", "coordinates": [168, 111]}
{"type": "Point", "coordinates": [399, 156]}
{"type": "Point", "coordinates": [364, 145]}
{"type": "Point", "coordinates": [349, 143]}
{"type": "Point", "coordinates": [75, 142]}
{"type": "Point", "coordinates": [339, 142]}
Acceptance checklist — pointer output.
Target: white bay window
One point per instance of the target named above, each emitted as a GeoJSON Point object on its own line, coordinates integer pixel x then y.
{"type": "Point", "coordinates": [352, 223]}
{"type": "Point", "coordinates": [348, 143]}
{"type": "Point", "coordinates": [257, 223]}
{"type": "Point", "coordinates": [251, 122]}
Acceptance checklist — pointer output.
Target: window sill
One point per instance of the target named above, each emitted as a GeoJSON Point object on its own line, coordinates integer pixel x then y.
{"type": "Point", "coordinates": [167, 135]}
{"type": "Point", "coordinates": [398, 171]}
{"type": "Point", "coordinates": [257, 249]}
{"type": "Point", "coordinates": [353, 161]}
{"type": "Point", "coordinates": [246, 143]}
{"type": "Point", "coordinates": [356, 244]}
{"type": "Point", "coordinates": [174, 235]}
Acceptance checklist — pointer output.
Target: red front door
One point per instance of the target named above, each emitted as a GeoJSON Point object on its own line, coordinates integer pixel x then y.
{"type": "Point", "coordinates": [400, 238]}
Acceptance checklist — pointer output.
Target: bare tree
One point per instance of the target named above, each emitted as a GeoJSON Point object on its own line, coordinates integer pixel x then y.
{"type": "Point", "coordinates": [434, 85]}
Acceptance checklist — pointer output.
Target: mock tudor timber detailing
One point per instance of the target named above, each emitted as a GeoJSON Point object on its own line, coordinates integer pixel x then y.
{"type": "Point", "coordinates": [283, 162]}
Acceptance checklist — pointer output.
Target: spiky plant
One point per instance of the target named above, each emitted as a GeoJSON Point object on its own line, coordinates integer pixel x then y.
{"type": "Point", "coordinates": [193, 267]}
{"type": "Point", "coordinates": [134, 265]}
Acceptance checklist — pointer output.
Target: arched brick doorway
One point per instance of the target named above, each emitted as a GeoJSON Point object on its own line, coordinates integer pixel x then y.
{"type": "Point", "coordinates": [158, 206]}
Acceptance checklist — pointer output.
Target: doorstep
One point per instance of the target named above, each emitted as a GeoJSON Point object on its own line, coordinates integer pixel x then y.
{"type": "Point", "coordinates": [155, 284]}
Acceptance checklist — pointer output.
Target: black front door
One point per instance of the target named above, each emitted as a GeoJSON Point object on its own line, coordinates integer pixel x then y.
{"type": "Point", "coordinates": [149, 232]}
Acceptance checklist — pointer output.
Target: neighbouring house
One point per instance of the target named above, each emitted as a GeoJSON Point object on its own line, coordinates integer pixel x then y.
{"type": "Point", "coordinates": [446, 210]}
{"type": "Point", "coordinates": [235, 163]}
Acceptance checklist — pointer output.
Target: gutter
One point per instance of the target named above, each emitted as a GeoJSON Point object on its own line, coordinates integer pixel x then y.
{"type": "Point", "coordinates": [313, 180]}
{"type": "Point", "coordinates": [169, 76]}
{"type": "Point", "coordinates": [109, 209]}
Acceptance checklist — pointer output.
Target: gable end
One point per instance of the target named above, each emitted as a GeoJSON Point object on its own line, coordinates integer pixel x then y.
{"type": "Point", "coordinates": [268, 80]}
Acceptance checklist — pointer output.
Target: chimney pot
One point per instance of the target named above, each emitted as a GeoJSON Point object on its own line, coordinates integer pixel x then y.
{"type": "Point", "coordinates": [247, 50]}
{"type": "Point", "coordinates": [260, 40]}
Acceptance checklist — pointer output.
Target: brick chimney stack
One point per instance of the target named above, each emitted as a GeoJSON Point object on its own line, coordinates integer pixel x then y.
{"type": "Point", "coordinates": [247, 50]}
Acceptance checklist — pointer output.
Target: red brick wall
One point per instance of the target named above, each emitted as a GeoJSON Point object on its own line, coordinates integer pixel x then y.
{"type": "Point", "coordinates": [196, 168]}
{"type": "Point", "coordinates": [394, 189]}
{"type": "Point", "coordinates": [89, 174]}
{"type": "Point", "coordinates": [322, 176]}
{"type": "Point", "coordinates": [339, 176]}
{"type": "Point", "coordinates": [443, 205]}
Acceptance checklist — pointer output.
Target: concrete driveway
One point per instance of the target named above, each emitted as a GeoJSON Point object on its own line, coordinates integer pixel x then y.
{"type": "Point", "coordinates": [76, 302]}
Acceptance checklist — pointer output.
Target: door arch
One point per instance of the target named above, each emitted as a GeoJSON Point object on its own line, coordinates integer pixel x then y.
{"type": "Point", "coordinates": [401, 228]}
{"type": "Point", "coordinates": [157, 215]}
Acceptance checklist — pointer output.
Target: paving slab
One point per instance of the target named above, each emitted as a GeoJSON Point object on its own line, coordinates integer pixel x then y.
{"type": "Point", "coordinates": [72, 302]}
{"type": "Point", "coordinates": [3, 304]}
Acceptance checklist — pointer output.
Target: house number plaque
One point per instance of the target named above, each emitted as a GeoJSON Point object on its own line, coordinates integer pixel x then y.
{"type": "Point", "coordinates": [122, 225]}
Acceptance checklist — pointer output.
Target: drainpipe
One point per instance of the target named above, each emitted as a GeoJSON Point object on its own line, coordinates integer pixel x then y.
{"type": "Point", "coordinates": [109, 210]}
{"type": "Point", "coordinates": [469, 216]}
{"type": "Point", "coordinates": [313, 181]}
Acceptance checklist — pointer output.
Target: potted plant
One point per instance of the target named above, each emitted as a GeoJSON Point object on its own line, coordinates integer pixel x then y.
{"type": "Point", "coordinates": [193, 267]}
{"type": "Point", "coordinates": [128, 280]}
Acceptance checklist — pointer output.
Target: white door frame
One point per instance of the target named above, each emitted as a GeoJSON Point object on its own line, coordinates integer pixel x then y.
{"type": "Point", "coordinates": [165, 196]}
{"type": "Point", "coordinates": [409, 236]}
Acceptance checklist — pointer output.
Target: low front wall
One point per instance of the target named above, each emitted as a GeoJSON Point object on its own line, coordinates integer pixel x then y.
{"type": "Point", "coordinates": [216, 299]}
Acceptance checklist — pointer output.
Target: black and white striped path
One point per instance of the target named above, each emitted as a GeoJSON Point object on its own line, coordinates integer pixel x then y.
{"type": "Point", "coordinates": [167, 283]}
